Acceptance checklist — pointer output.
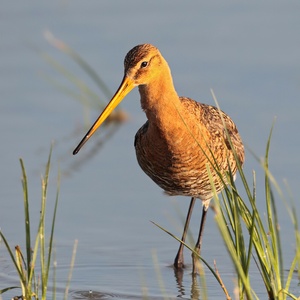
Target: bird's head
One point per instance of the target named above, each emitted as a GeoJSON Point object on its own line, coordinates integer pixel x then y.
{"type": "Point", "coordinates": [142, 65]}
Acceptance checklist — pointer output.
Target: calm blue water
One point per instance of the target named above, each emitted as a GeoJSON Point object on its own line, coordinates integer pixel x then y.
{"type": "Point", "coordinates": [247, 53]}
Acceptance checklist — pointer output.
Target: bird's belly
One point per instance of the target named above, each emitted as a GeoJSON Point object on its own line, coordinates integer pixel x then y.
{"type": "Point", "coordinates": [178, 173]}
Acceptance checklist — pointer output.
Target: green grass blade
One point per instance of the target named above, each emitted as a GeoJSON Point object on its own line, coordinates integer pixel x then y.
{"type": "Point", "coordinates": [252, 228]}
{"type": "Point", "coordinates": [44, 261]}
{"type": "Point", "coordinates": [295, 265]}
{"type": "Point", "coordinates": [11, 254]}
{"type": "Point", "coordinates": [27, 218]}
{"type": "Point", "coordinates": [71, 270]}
{"type": "Point", "coordinates": [53, 224]}
{"type": "Point", "coordinates": [285, 292]}
{"type": "Point", "coordinates": [8, 288]}
{"type": "Point", "coordinates": [276, 259]}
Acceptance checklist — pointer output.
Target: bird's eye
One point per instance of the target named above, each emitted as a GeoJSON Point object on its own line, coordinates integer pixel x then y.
{"type": "Point", "coordinates": [144, 64]}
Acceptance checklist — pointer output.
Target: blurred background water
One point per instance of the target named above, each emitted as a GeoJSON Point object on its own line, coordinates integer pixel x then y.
{"type": "Point", "coordinates": [248, 53]}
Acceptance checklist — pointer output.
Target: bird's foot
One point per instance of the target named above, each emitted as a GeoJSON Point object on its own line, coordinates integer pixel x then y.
{"type": "Point", "coordinates": [179, 261]}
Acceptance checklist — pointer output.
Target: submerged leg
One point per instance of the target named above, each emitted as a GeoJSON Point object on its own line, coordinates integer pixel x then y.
{"type": "Point", "coordinates": [179, 261]}
{"type": "Point", "coordinates": [199, 241]}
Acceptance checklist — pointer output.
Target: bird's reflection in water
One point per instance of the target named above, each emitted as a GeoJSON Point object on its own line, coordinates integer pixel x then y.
{"type": "Point", "coordinates": [183, 292]}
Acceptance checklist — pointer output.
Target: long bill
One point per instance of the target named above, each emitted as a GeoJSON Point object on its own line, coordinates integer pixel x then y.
{"type": "Point", "coordinates": [126, 86]}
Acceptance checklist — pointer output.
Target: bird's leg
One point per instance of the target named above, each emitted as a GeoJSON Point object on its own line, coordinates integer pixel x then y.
{"type": "Point", "coordinates": [199, 241]}
{"type": "Point", "coordinates": [179, 261]}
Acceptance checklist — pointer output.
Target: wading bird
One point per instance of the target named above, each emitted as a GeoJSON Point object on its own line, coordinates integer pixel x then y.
{"type": "Point", "coordinates": [185, 147]}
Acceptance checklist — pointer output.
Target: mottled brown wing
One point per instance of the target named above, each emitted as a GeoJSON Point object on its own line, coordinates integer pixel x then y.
{"type": "Point", "coordinates": [214, 120]}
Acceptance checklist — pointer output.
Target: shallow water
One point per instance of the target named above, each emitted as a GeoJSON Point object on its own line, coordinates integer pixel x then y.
{"type": "Point", "coordinates": [248, 54]}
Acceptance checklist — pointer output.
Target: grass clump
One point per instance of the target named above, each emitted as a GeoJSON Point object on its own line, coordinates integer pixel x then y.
{"type": "Point", "coordinates": [25, 263]}
{"type": "Point", "coordinates": [252, 236]}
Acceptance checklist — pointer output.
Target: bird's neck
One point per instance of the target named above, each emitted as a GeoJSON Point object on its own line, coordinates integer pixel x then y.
{"type": "Point", "coordinates": [159, 99]}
